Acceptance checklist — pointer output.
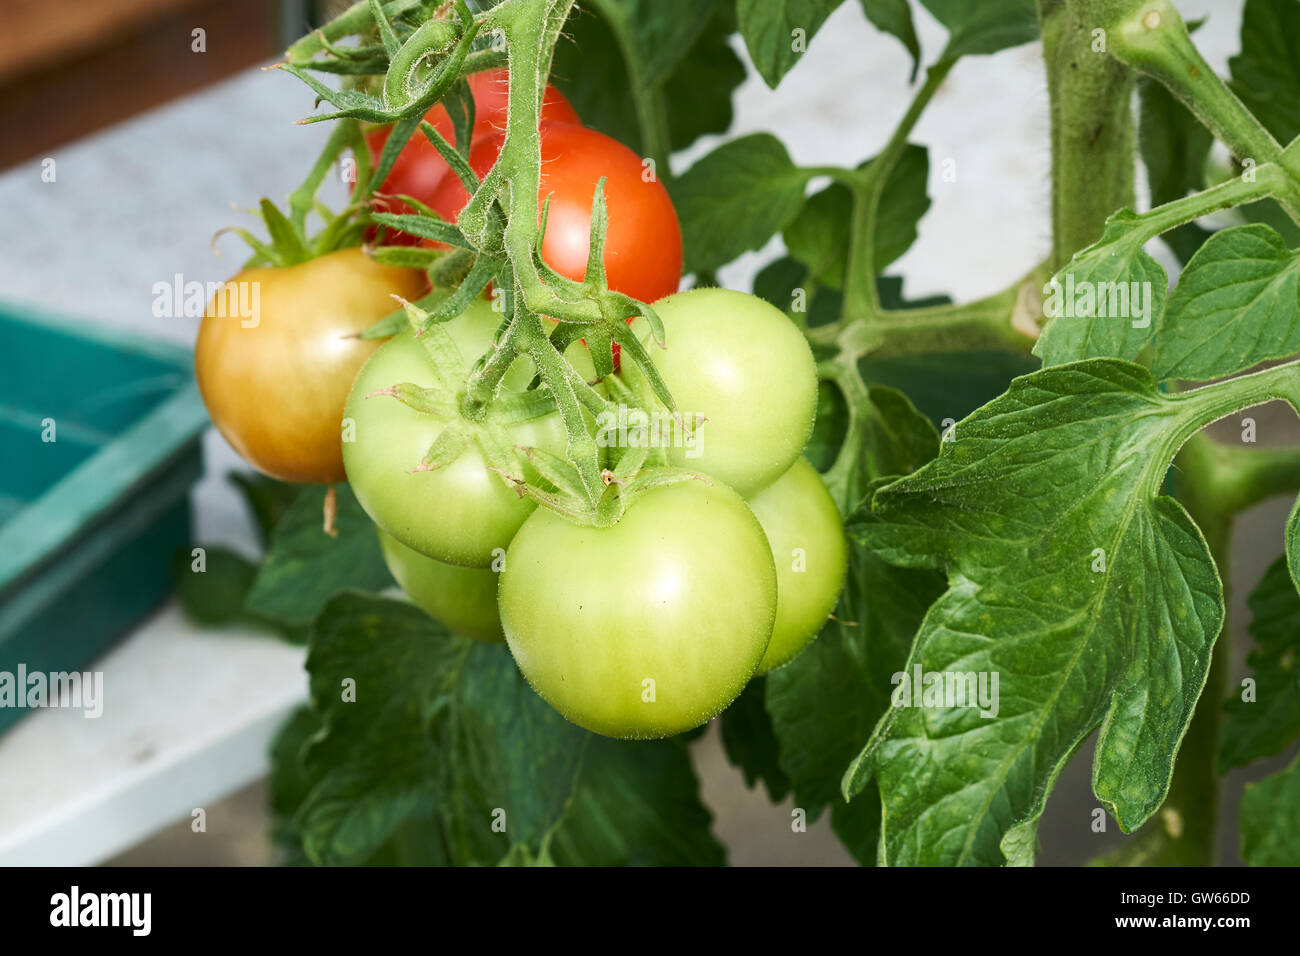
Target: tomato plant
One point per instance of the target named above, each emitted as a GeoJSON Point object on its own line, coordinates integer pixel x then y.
{"type": "Point", "coordinates": [633, 632]}
{"type": "Point", "coordinates": [993, 561]}
{"type": "Point", "coordinates": [275, 382]}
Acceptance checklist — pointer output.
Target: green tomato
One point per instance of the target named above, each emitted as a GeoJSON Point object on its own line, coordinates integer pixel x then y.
{"type": "Point", "coordinates": [804, 529]}
{"type": "Point", "coordinates": [743, 373]}
{"type": "Point", "coordinates": [647, 628]}
{"type": "Point", "coordinates": [464, 599]}
{"type": "Point", "coordinates": [461, 513]}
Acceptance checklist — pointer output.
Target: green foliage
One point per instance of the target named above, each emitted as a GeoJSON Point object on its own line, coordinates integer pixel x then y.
{"type": "Point", "coordinates": [1267, 723]}
{"type": "Point", "coordinates": [306, 566]}
{"type": "Point", "coordinates": [1237, 304]}
{"type": "Point", "coordinates": [1098, 326]}
{"type": "Point", "coordinates": [218, 595]}
{"type": "Point", "coordinates": [750, 741]}
{"type": "Point", "coordinates": [617, 54]}
{"type": "Point", "coordinates": [1270, 819]}
{"type": "Point", "coordinates": [778, 34]}
{"type": "Point", "coordinates": [742, 194]}
{"type": "Point", "coordinates": [214, 597]}
{"type": "Point", "coordinates": [736, 198]}
{"type": "Point", "coordinates": [895, 18]}
{"type": "Point", "coordinates": [1039, 546]}
{"type": "Point", "coordinates": [1048, 555]}
{"type": "Point", "coordinates": [828, 698]}
{"type": "Point", "coordinates": [984, 27]}
{"type": "Point", "coordinates": [1266, 73]}
{"type": "Point", "coordinates": [820, 235]}
{"type": "Point", "coordinates": [422, 729]}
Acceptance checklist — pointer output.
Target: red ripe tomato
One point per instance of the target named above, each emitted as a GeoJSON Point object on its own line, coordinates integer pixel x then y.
{"type": "Point", "coordinates": [643, 245]}
{"type": "Point", "coordinates": [419, 167]}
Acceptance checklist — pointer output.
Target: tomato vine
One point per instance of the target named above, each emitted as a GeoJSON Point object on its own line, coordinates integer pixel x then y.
{"type": "Point", "coordinates": [1032, 528]}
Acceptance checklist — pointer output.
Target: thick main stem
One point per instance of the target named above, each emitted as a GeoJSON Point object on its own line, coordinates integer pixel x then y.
{"type": "Point", "coordinates": [1092, 126]}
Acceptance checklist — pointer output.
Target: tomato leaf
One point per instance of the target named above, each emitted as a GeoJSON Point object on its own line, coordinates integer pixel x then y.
{"type": "Point", "coordinates": [1091, 599]}
{"type": "Point", "coordinates": [289, 782]}
{"type": "Point", "coordinates": [1270, 721]}
{"type": "Point", "coordinates": [895, 17]}
{"type": "Point", "coordinates": [1175, 148]}
{"type": "Point", "coordinates": [735, 199]}
{"type": "Point", "coordinates": [438, 738]}
{"type": "Point", "coordinates": [268, 499]}
{"type": "Point", "coordinates": [214, 596]}
{"type": "Point", "coordinates": [636, 804]}
{"type": "Point", "coordinates": [984, 27]}
{"type": "Point", "coordinates": [1107, 300]}
{"type": "Point", "coordinates": [750, 742]}
{"type": "Point", "coordinates": [777, 34]}
{"type": "Point", "coordinates": [697, 95]}
{"type": "Point", "coordinates": [1269, 819]}
{"type": "Point", "coordinates": [377, 668]}
{"type": "Point", "coordinates": [1293, 543]}
{"type": "Point", "coordinates": [1266, 74]}
{"type": "Point", "coordinates": [832, 694]}
{"type": "Point", "coordinates": [1237, 304]}
{"type": "Point", "coordinates": [819, 235]}
{"type": "Point", "coordinates": [784, 283]}
{"type": "Point", "coordinates": [947, 386]}
{"type": "Point", "coordinates": [696, 73]}
{"type": "Point", "coordinates": [305, 566]}
{"type": "Point", "coordinates": [656, 33]}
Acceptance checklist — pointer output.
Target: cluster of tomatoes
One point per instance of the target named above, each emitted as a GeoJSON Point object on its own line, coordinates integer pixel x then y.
{"type": "Point", "coordinates": [645, 628]}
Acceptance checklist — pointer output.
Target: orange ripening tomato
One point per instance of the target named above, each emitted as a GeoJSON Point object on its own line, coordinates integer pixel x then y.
{"type": "Point", "coordinates": [643, 244]}
{"type": "Point", "coordinates": [275, 382]}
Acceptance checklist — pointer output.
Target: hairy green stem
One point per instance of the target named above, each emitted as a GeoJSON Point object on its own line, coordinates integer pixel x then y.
{"type": "Point", "coordinates": [844, 372]}
{"type": "Point", "coordinates": [1091, 127]}
{"type": "Point", "coordinates": [1150, 36]}
{"type": "Point", "coordinates": [861, 301]}
{"type": "Point", "coordinates": [1259, 183]}
{"type": "Point", "coordinates": [1238, 477]}
{"type": "Point", "coordinates": [483, 383]}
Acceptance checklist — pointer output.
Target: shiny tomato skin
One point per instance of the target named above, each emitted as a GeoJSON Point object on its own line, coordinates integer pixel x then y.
{"type": "Point", "coordinates": [803, 527]}
{"type": "Point", "coordinates": [643, 245]}
{"type": "Point", "coordinates": [462, 599]}
{"type": "Point", "coordinates": [276, 389]}
{"type": "Point", "coordinates": [461, 513]}
{"type": "Point", "coordinates": [646, 628]}
{"type": "Point", "coordinates": [419, 167]}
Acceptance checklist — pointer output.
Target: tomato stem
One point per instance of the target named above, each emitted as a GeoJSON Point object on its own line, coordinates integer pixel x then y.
{"type": "Point", "coordinates": [861, 300]}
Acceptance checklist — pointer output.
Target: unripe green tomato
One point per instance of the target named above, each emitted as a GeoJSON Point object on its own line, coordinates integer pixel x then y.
{"type": "Point", "coordinates": [464, 599]}
{"type": "Point", "coordinates": [647, 628]}
{"type": "Point", "coordinates": [740, 363]}
{"type": "Point", "coordinates": [462, 512]}
{"type": "Point", "coordinates": [804, 530]}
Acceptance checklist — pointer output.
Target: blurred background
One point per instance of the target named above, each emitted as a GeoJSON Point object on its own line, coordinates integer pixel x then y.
{"type": "Point", "coordinates": [136, 129]}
